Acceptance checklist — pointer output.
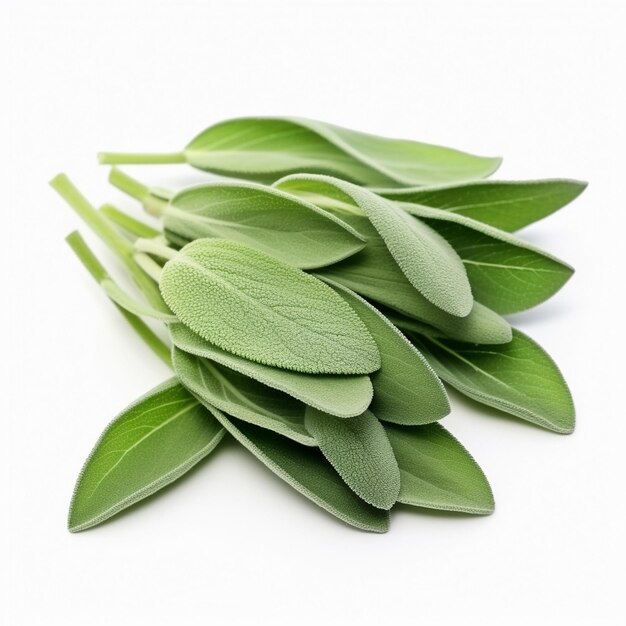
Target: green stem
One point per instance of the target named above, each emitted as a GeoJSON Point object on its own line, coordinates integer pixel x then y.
{"type": "Point", "coordinates": [119, 158]}
{"type": "Point", "coordinates": [111, 237]}
{"type": "Point", "coordinates": [149, 266]}
{"type": "Point", "coordinates": [97, 270]}
{"type": "Point", "coordinates": [152, 203]}
{"type": "Point", "coordinates": [132, 226]}
{"type": "Point", "coordinates": [151, 246]}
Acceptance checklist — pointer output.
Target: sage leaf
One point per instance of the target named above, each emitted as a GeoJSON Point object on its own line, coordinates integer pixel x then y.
{"type": "Point", "coordinates": [149, 445]}
{"type": "Point", "coordinates": [242, 397]}
{"type": "Point", "coordinates": [518, 378]}
{"type": "Point", "coordinates": [406, 388]}
{"type": "Point", "coordinates": [257, 307]}
{"type": "Point", "coordinates": [506, 274]}
{"type": "Point", "coordinates": [508, 205]}
{"type": "Point", "coordinates": [264, 218]}
{"type": "Point", "coordinates": [437, 472]}
{"type": "Point", "coordinates": [307, 471]}
{"type": "Point", "coordinates": [343, 396]}
{"type": "Point", "coordinates": [425, 258]}
{"type": "Point", "coordinates": [359, 450]}
{"type": "Point", "coordinates": [264, 149]}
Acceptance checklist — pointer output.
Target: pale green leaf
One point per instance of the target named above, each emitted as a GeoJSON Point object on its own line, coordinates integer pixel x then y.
{"type": "Point", "coordinates": [264, 310]}
{"type": "Point", "coordinates": [507, 274]}
{"type": "Point", "coordinates": [518, 378]}
{"type": "Point", "coordinates": [359, 450]}
{"type": "Point", "coordinates": [437, 472]}
{"type": "Point", "coordinates": [264, 218]}
{"type": "Point", "coordinates": [307, 471]}
{"type": "Point", "coordinates": [265, 149]}
{"type": "Point", "coordinates": [149, 445]}
{"type": "Point", "coordinates": [373, 273]}
{"type": "Point", "coordinates": [406, 388]}
{"type": "Point", "coordinates": [425, 258]}
{"type": "Point", "coordinates": [508, 205]}
{"type": "Point", "coordinates": [119, 296]}
{"type": "Point", "coordinates": [344, 396]}
{"type": "Point", "coordinates": [242, 397]}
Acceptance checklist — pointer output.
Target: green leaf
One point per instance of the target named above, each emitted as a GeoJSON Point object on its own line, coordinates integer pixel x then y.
{"type": "Point", "coordinates": [242, 397]}
{"type": "Point", "coordinates": [264, 149]}
{"type": "Point", "coordinates": [344, 396]}
{"type": "Point", "coordinates": [266, 219]}
{"type": "Point", "coordinates": [307, 471]}
{"type": "Point", "coordinates": [120, 297]}
{"type": "Point", "coordinates": [149, 445]}
{"type": "Point", "coordinates": [406, 388]}
{"type": "Point", "coordinates": [518, 378]}
{"type": "Point", "coordinates": [437, 472]}
{"type": "Point", "coordinates": [373, 273]}
{"type": "Point", "coordinates": [425, 258]}
{"type": "Point", "coordinates": [508, 205]}
{"type": "Point", "coordinates": [506, 273]}
{"type": "Point", "coordinates": [359, 450]}
{"type": "Point", "coordinates": [257, 307]}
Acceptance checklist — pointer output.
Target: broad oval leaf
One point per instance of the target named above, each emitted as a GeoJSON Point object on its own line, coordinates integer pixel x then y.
{"type": "Point", "coordinates": [508, 205]}
{"type": "Point", "coordinates": [149, 445]}
{"type": "Point", "coordinates": [307, 471]}
{"type": "Point", "coordinates": [344, 396]}
{"type": "Point", "coordinates": [518, 378]}
{"type": "Point", "coordinates": [374, 274]}
{"type": "Point", "coordinates": [437, 472]}
{"type": "Point", "coordinates": [428, 261]}
{"type": "Point", "coordinates": [265, 149]}
{"type": "Point", "coordinates": [264, 310]}
{"type": "Point", "coordinates": [359, 450]}
{"type": "Point", "coordinates": [264, 218]}
{"type": "Point", "coordinates": [242, 397]}
{"type": "Point", "coordinates": [406, 388]}
{"type": "Point", "coordinates": [506, 273]}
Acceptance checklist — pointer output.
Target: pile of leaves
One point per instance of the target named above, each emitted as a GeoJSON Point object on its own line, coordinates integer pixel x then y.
{"type": "Point", "coordinates": [316, 298]}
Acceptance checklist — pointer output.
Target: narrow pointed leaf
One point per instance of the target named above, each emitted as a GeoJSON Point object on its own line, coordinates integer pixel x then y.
{"type": "Point", "coordinates": [344, 396]}
{"type": "Point", "coordinates": [506, 273]}
{"type": "Point", "coordinates": [149, 445]}
{"type": "Point", "coordinates": [425, 258]}
{"type": "Point", "coordinates": [259, 308]}
{"type": "Point", "coordinates": [307, 471]}
{"type": "Point", "coordinates": [437, 472]}
{"type": "Point", "coordinates": [518, 378]}
{"type": "Point", "coordinates": [406, 388]}
{"type": "Point", "coordinates": [281, 225]}
{"type": "Point", "coordinates": [359, 450]}
{"type": "Point", "coordinates": [508, 205]}
{"type": "Point", "coordinates": [242, 397]}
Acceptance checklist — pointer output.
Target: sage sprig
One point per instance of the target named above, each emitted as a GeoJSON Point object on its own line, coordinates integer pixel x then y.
{"type": "Point", "coordinates": [317, 318]}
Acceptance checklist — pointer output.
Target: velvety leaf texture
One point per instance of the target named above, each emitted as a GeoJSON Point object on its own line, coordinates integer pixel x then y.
{"type": "Point", "coordinates": [425, 258]}
{"type": "Point", "coordinates": [406, 388]}
{"type": "Point", "coordinates": [506, 273]}
{"type": "Point", "coordinates": [265, 149]}
{"type": "Point", "coordinates": [263, 218]}
{"type": "Point", "coordinates": [508, 205]}
{"type": "Point", "coordinates": [359, 450]}
{"type": "Point", "coordinates": [259, 308]}
{"type": "Point", "coordinates": [437, 472]}
{"type": "Point", "coordinates": [149, 445]}
{"type": "Point", "coordinates": [518, 378]}
{"type": "Point", "coordinates": [307, 471]}
{"type": "Point", "coordinates": [242, 397]}
{"type": "Point", "coordinates": [344, 396]}
{"type": "Point", "coordinates": [373, 273]}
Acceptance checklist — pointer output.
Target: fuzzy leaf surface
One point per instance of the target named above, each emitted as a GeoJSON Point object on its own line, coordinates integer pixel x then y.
{"type": "Point", "coordinates": [264, 310]}
{"type": "Point", "coordinates": [147, 446]}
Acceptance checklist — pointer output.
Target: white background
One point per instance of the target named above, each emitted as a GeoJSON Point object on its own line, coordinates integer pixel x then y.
{"type": "Point", "coordinates": [541, 83]}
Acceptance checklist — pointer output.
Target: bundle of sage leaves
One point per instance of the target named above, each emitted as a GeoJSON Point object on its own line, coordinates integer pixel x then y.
{"type": "Point", "coordinates": [315, 296]}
